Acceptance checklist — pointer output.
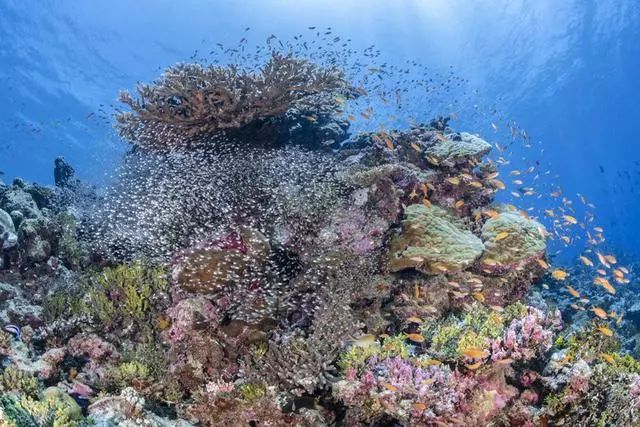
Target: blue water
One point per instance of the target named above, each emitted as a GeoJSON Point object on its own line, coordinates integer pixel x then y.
{"type": "Point", "coordinates": [567, 72]}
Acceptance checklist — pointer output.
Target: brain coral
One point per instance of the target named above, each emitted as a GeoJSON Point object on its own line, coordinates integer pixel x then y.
{"type": "Point", "coordinates": [511, 239]}
{"type": "Point", "coordinates": [433, 241]}
{"type": "Point", "coordinates": [456, 148]}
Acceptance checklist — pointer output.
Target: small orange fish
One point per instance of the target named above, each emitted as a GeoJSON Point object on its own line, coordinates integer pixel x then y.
{"type": "Point", "coordinates": [570, 219]}
{"type": "Point", "coordinates": [491, 213]}
{"type": "Point", "coordinates": [459, 204]}
{"type": "Point", "coordinates": [414, 319]}
{"type": "Point", "coordinates": [605, 331]}
{"type": "Point", "coordinates": [603, 260]}
{"type": "Point", "coordinates": [416, 147]}
{"type": "Point", "coordinates": [419, 406]}
{"type": "Point", "coordinates": [416, 338]}
{"type": "Point", "coordinates": [478, 296]}
{"type": "Point", "coordinates": [586, 261]}
{"type": "Point", "coordinates": [474, 353]}
{"type": "Point", "coordinates": [453, 180]}
{"type": "Point", "coordinates": [599, 312]}
{"type": "Point", "coordinates": [573, 292]}
{"type": "Point", "coordinates": [506, 361]}
{"type": "Point", "coordinates": [608, 358]}
{"type": "Point", "coordinates": [498, 184]}
{"type": "Point", "coordinates": [543, 263]}
{"type": "Point", "coordinates": [605, 284]}
{"type": "Point", "coordinates": [390, 387]}
{"type": "Point", "coordinates": [473, 366]}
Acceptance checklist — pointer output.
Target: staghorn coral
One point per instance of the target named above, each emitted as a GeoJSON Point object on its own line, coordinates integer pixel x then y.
{"type": "Point", "coordinates": [433, 241]}
{"type": "Point", "coordinates": [17, 381]}
{"type": "Point", "coordinates": [125, 294]}
{"type": "Point", "coordinates": [191, 101]}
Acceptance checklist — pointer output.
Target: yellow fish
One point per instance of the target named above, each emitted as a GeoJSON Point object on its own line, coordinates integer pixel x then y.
{"type": "Point", "coordinates": [570, 219]}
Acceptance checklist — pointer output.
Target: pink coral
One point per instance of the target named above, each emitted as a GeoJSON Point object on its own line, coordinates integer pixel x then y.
{"type": "Point", "coordinates": [93, 347]}
{"type": "Point", "coordinates": [187, 314]}
{"type": "Point", "coordinates": [526, 337]}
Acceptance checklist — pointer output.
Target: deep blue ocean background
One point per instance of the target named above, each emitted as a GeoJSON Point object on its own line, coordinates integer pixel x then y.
{"type": "Point", "coordinates": [568, 72]}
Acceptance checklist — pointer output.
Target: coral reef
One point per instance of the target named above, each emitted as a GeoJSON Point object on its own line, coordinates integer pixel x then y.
{"type": "Point", "coordinates": [254, 264]}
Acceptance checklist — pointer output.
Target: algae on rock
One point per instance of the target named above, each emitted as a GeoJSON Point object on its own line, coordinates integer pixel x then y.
{"type": "Point", "coordinates": [433, 242]}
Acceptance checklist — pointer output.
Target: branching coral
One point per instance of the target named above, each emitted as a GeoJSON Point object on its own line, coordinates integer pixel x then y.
{"type": "Point", "coordinates": [124, 294]}
{"type": "Point", "coordinates": [191, 101]}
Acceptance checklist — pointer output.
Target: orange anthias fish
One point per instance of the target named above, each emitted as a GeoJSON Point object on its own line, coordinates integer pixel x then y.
{"type": "Point", "coordinates": [573, 292]}
{"type": "Point", "coordinates": [475, 353]}
{"type": "Point", "coordinates": [599, 312]}
{"type": "Point", "coordinates": [605, 331]}
{"type": "Point", "coordinates": [416, 338]}
{"type": "Point", "coordinates": [474, 366]}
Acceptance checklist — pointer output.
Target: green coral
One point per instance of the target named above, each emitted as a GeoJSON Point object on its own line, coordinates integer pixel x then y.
{"type": "Point", "coordinates": [133, 285]}
{"type": "Point", "coordinates": [433, 241]}
{"type": "Point", "coordinates": [63, 305]}
{"type": "Point", "coordinates": [54, 409]}
{"type": "Point", "coordinates": [125, 373]}
{"type": "Point", "coordinates": [510, 238]}
{"type": "Point", "coordinates": [252, 391]}
{"type": "Point", "coordinates": [477, 328]}
{"type": "Point", "coordinates": [588, 343]}
{"type": "Point", "coordinates": [18, 381]}
{"type": "Point", "coordinates": [356, 356]}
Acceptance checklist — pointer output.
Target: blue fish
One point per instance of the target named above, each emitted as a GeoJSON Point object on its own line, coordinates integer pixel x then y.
{"type": "Point", "coordinates": [15, 330]}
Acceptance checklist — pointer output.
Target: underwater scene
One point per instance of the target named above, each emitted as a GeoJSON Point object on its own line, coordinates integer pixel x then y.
{"type": "Point", "coordinates": [319, 213]}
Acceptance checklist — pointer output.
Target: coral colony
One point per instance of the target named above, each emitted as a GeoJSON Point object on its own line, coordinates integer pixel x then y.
{"type": "Point", "coordinates": [255, 263]}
